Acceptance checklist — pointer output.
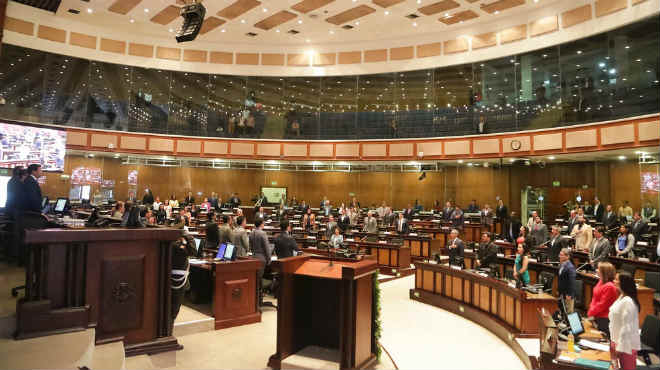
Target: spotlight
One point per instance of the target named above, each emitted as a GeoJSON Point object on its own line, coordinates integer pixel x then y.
{"type": "Point", "coordinates": [193, 17]}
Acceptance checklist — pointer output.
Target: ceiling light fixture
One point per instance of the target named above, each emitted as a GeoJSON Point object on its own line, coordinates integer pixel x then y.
{"type": "Point", "coordinates": [552, 157]}
{"type": "Point", "coordinates": [132, 20]}
{"type": "Point", "coordinates": [387, 12]}
{"type": "Point", "coordinates": [414, 24]}
{"type": "Point", "coordinates": [89, 10]}
{"type": "Point", "coordinates": [299, 21]}
{"type": "Point", "coordinates": [223, 30]}
{"type": "Point", "coordinates": [497, 12]}
{"type": "Point", "coordinates": [242, 20]}
{"type": "Point", "coordinates": [146, 10]}
{"type": "Point", "coordinates": [265, 10]}
{"type": "Point", "coordinates": [622, 157]}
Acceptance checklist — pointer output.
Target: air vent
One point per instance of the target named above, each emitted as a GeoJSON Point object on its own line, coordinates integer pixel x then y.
{"type": "Point", "coordinates": [293, 32]}
{"type": "Point", "coordinates": [74, 11]}
{"type": "Point", "coordinates": [347, 27]}
{"type": "Point", "coordinates": [412, 16]}
{"type": "Point", "coordinates": [251, 34]}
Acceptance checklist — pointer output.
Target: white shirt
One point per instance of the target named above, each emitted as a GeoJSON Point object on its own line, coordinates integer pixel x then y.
{"type": "Point", "coordinates": [624, 325]}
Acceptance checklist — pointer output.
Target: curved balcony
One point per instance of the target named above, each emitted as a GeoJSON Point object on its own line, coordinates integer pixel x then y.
{"type": "Point", "coordinates": [606, 77]}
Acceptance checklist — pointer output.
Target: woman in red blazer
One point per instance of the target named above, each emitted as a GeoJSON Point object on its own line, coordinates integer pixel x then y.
{"type": "Point", "coordinates": [604, 294]}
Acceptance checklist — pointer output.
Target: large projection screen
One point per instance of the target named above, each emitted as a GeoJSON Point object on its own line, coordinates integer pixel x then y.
{"type": "Point", "coordinates": [24, 145]}
{"type": "Point", "coordinates": [273, 195]}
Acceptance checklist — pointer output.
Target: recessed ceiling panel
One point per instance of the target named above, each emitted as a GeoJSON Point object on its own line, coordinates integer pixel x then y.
{"type": "Point", "coordinates": [439, 7]}
{"type": "Point", "coordinates": [501, 5]}
{"type": "Point", "coordinates": [459, 17]}
{"type": "Point", "coordinates": [307, 6]}
{"type": "Point", "coordinates": [350, 15]}
{"type": "Point", "coordinates": [387, 3]}
{"type": "Point", "coordinates": [239, 7]}
{"type": "Point", "coordinates": [211, 23]}
{"type": "Point", "coordinates": [123, 6]}
{"type": "Point", "coordinates": [166, 15]}
{"type": "Point", "coordinates": [275, 20]}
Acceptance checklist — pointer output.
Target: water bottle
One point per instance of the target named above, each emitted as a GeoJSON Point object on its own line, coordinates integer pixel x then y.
{"type": "Point", "coordinates": [571, 344]}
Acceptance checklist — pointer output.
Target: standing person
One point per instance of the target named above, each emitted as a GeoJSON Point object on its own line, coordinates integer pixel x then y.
{"type": "Point", "coordinates": [156, 205]}
{"type": "Point", "coordinates": [285, 245]}
{"type": "Point", "coordinates": [638, 227]}
{"type": "Point", "coordinates": [625, 242]}
{"type": "Point", "coordinates": [583, 234]}
{"type": "Point", "coordinates": [501, 211]}
{"type": "Point", "coordinates": [556, 244]}
{"type": "Point", "coordinates": [224, 231]}
{"type": "Point", "coordinates": [31, 189]}
{"type": "Point", "coordinates": [446, 212]}
{"type": "Point", "coordinates": [370, 223]}
{"type": "Point", "coordinates": [148, 198]}
{"type": "Point", "coordinates": [401, 224]}
{"type": "Point", "coordinates": [513, 227]}
{"type": "Point", "coordinates": [539, 232]}
{"type": "Point", "coordinates": [609, 217]}
{"type": "Point", "coordinates": [566, 284]}
{"type": "Point", "coordinates": [487, 217]}
{"type": "Point", "coordinates": [215, 201]}
{"type": "Point", "coordinates": [173, 202]}
{"type": "Point", "coordinates": [520, 271]}
{"type": "Point", "coordinates": [624, 324]}
{"type": "Point", "coordinates": [190, 199]}
{"type": "Point", "coordinates": [603, 296]}
{"type": "Point", "coordinates": [457, 218]}
{"type": "Point", "coordinates": [261, 250]}
{"type": "Point", "coordinates": [240, 238]}
{"type": "Point", "coordinates": [330, 227]}
{"type": "Point", "coordinates": [15, 191]}
{"type": "Point", "coordinates": [336, 240]}
{"type": "Point", "coordinates": [487, 256]}
{"type": "Point", "coordinates": [455, 248]}
{"type": "Point", "coordinates": [181, 250]}
{"type": "Point", "coordinates": [598, 210]}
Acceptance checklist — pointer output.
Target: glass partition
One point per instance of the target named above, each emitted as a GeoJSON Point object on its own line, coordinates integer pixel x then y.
{"type": "Point", "coordinates": [604, 77]}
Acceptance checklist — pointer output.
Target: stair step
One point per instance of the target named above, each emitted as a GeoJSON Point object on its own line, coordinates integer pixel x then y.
{"type": "Point", "coordinates": [141, 362]}
{"type": "Point", "coordinates": [60, 351]}
{"type": "Point", "coordinates": [110, 356]}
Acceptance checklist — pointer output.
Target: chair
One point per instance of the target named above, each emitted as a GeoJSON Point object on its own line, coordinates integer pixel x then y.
{"type": "Point", "coordinates": [652, 280]}
{"type": "Point", "coordinates": [546, 278]}
{"type": "Point", "coordinates": [579, 299]}
{"type": "Point", "coordinates": [650, 338]}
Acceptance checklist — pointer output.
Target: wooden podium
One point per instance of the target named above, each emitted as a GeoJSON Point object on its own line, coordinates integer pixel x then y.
{"type": "Point", "coordinates": [324, 305]}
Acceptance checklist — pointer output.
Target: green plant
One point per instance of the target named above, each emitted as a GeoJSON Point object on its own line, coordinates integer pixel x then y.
{"type": "Point", "coordinates": [375, 315]}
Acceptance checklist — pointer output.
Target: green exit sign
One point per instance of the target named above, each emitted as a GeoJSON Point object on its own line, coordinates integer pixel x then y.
{"type": "Point", "coordinates": [273, 183]}
{"type": "Point", "coordinates": [556, 183]}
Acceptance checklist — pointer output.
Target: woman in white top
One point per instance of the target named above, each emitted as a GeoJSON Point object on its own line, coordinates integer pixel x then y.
{"type": "Point", "coordinates": [624, 324]}
{"type": "Point", "coordinates": [157, 203]}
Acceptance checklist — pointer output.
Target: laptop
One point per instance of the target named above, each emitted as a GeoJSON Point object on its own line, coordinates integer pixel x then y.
{"type": "Point", "coordinates": [221, 251]}
{"type": "Point", "coordinates": [575, 323]}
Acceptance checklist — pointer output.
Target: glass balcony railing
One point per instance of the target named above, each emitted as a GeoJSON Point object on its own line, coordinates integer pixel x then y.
{"type": "Point", "coordinates": [604, 77]}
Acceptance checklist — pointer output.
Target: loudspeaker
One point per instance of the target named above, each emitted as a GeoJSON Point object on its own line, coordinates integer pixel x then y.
{"type": "Point", "coordinates": [193, 18]}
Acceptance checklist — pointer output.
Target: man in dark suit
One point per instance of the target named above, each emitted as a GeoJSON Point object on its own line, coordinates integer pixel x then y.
{"type": "Point", "coordinates": [148, 198]}
{"type": "Point", "coordinates": [639, 227]}
{"type": "Point", "coordinates": [501, 211]}
{"type": "Point", "coordinates": [599, 249]}
{"type": "Point", "coordinates": [455, 248]}
{"type": "Point", "coordinates": [566, 283]}
{"type": "Point", "coordinates": [513, 228]}
{"type": "Point", "coordinates": [234, 201]}
{"type": "Point", "coordinates": [190, 199]}
{"type": "Point", "coordinates": [555, 244]}
{"type": "Point", "coordinates": [446, 212]}
{"type": "Point", "coordinates": [15, 192]}
{"type": "Point", "coordinates": [598, 210]}
{"type": "Point", "coordinates": [330, 227]}
{"type": "Point", "coordinates": [539, 232]}
{"type": "Point", "coordinates": [343, 221]}
{"type": "Point", "coordinates": [401, 224]}
{"type": "Point", "coordinates": [284, 243]}
{"type": "Point", "coordinates": [487, 255]}
{"type": "Point", "coordinates": [31, 190]}
{"type": "Point", "coordinates": [473, 207]}
{"type": "Point", "coordinates": [609, 217]}
{"type": "Point", "coordinates": [260, 215]}
{"type": "Point", "coordinates": [261, 250]}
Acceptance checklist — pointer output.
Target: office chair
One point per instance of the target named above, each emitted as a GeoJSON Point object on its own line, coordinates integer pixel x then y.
{"type": "Point", "coordinates": [650, 338]}
{"type": "Point", "coordinates": [579, 299]}
{"type": "Point", "coordinates": [652, 280]}
{"type": "Point", "coordinates": [546, 278]}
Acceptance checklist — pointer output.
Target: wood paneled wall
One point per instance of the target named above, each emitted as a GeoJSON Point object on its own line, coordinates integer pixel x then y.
{"type": "Point", "coordinates": [610, 181]}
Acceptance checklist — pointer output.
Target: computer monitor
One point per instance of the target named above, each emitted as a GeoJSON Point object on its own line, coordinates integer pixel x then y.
{"type": "Point", "coordinates": [575, 322]}
{"type": "Point", "coordinates": [85, 193]}
{"type": "Point", "coordinates": [60, 205]}
{"type": "Point", "coordinates": [221, 251]}
{"type": "Point", "coordinates": [229, 252]}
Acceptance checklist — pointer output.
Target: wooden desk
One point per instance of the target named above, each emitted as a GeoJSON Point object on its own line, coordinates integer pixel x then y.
{"type": "Point", "coordinates": [330, 306]}
{"type": "Point", "coordinates": [450, 288]}
{"type": "Point", "coordinates": [589, 281]}
{"type": "Point", "coordinates": [392, 258]}
{"type": "Point", "coordinates": [422, 246]}
{"type": "Point", "coordinates": [235, 297]}
{"type": "Point", "coordinates": [114, 280]}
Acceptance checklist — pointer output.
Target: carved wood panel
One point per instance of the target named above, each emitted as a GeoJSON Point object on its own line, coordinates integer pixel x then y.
{"type": "Point", "coordinates": [122, 294]}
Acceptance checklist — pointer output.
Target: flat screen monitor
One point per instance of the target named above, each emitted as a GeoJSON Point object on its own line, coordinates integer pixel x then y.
{"type": "Point", "coordinates": [221, 251]}
{"type": "Point", "coordinates": [575, 323]}
{"type": "Point", "coordinates": [229, 252]}
{"type": "Point", "coordinates": [3, 190]}
{"type": "Point", "coordinates": [60, 205]}
{"type": "Point", "coordinates": [24, 145]}
{"type": "Point", "coordinates": [85, 193]}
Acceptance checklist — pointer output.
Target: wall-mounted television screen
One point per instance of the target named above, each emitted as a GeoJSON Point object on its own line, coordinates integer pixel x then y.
{"type": "Point", "coordinates": [650, 182]}
{"type": "Point", "coordinates": [25, 145]}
